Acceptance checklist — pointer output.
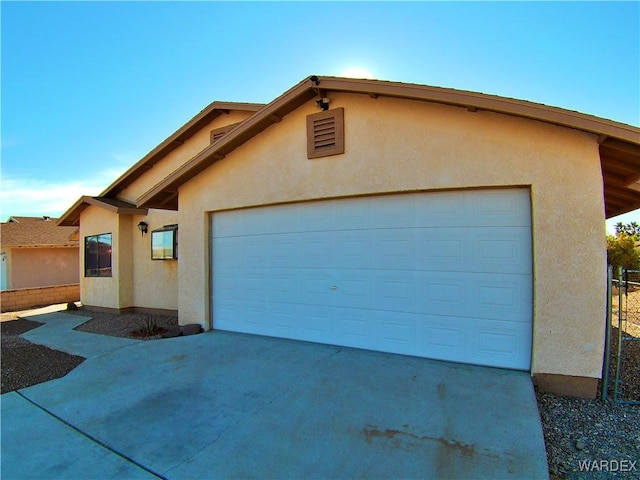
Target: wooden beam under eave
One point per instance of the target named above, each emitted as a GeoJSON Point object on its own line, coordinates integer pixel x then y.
{"type": "Point", "coordinates": [621, 168]}
{"type": "Point", "coordinates": [620, 195]}
{"type": "Point", "coordinates": [631, 179]}
{"type": "Point", "coordinates": [275, 118]}
{"type": "Point", "coordinates": [613, 144]}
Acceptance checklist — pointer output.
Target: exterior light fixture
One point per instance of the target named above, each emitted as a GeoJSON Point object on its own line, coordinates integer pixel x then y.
{"type": "Point", "coordinates": [323, 103]}
{"type": "Point", "coordinates": [143, 227]}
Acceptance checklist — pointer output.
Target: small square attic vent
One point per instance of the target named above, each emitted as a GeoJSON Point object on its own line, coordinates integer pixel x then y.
{"type": "Point", "coordinates": [325, 133]}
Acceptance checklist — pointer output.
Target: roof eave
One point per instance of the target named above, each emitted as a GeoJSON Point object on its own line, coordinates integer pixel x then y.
{"type": "Point", "coordinates": [173, 141]}
{"type": "Point", "coordinates": [71, 218]}
{"type": "Point", "coordinates": [164, 194]}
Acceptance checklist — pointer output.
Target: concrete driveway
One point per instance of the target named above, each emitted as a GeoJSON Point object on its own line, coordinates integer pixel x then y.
{"type": "Point", "coordinates": [225, 405]}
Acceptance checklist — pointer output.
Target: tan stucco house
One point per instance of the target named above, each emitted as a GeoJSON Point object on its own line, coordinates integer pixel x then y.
{"type": "Point", "coordinates": [36, 252]}
{"type": "Point", "coordinates": [386, 216]}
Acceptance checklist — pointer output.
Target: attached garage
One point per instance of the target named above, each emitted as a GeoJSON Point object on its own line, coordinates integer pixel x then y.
{"type": "Point", "coordinates": [380, 215]}
{"type": "Point", "coordinates": [445, 275]}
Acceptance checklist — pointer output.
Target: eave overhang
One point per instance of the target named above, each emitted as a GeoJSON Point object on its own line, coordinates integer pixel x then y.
{"type": "Point", "coordinates": [176, 139]}
{"type": "Point", "coordinates": [619, 143]}
{"type": "Point", "coordinates": [71, 218]}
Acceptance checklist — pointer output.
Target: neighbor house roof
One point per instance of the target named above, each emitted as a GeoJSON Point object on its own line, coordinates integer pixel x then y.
{"type": "Point", "coordinates": [36, 232]}
{"type": "Point", "coordinates": [619, 143]}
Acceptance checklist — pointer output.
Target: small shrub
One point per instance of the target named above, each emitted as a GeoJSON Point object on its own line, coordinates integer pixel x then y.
{"type": "Point", "coordinates": [148, 326]}
{"type": "Point", "coordinates": [72, 306]}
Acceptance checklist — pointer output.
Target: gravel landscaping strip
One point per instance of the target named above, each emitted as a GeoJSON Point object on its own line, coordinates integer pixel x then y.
{"type": "Point", "coordinates": [25, 363]}
{"type": "Point", "coordinates": [122, 325]}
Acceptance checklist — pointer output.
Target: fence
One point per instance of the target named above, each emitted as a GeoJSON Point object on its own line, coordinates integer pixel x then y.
{"type": "Point", "coordinates": [620, 380]}
{"type": "Point", "coordinates": [25, 298]}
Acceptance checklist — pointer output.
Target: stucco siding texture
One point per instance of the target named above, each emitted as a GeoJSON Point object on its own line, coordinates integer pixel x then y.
{"type": "Point", "coordinates": [394, 145]}
{"type": "Point", "coordinates": [43, 267]}
{"type": "Point", "coordinates": [155, 282]}
{"type": "Point", "coordinates": [100, 291]}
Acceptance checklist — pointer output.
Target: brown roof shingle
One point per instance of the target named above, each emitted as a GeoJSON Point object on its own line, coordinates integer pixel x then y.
{"type": "Point", "coordinates": [35, 232]}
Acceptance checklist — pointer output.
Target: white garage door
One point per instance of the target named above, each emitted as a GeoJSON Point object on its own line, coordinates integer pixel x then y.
{"type": "Point", "coordinates": [438, 275]}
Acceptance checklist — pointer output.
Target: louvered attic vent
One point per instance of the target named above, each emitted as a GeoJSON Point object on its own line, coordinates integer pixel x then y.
{"type": "Point", "coordinates": [325, 133]}
{"type": "Point", "coordinates": [217, 133]}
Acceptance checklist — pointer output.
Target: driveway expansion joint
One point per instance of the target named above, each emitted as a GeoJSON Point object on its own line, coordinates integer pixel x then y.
{"type": "Point", "coordinates": [89, 437]}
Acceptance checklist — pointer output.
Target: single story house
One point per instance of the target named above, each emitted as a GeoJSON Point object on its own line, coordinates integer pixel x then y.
{"type": "Point", "coordinates": [378, 215]}
{"type": "Point", "coordinates": [36, 252]}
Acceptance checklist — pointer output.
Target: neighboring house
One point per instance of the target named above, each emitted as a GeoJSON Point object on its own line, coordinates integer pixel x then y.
{"type": "Point", "coordinates": [400, 218]}
{"type": "Point", "coordinates": [36, 252]}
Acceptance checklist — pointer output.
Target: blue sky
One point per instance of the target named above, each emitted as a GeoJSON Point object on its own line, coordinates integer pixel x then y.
{"type": "Point", "coordinates": [88, 88]}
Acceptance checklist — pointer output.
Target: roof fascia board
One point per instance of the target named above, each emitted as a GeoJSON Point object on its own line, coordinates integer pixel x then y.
{"type": "Point", "coordinates": [303, 92]}
{"type": "Point", "coordinates": [482, 101]}
{"type": "Point", "coordinates": [71, 218]}
{"type": "Point", "coordinates": [177, 138]}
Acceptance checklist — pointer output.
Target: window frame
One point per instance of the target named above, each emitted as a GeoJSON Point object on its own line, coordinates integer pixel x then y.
{"type": "Point", "coordinates": [174, 242]}
{"type": "Point", "coordinates": [98, 271]}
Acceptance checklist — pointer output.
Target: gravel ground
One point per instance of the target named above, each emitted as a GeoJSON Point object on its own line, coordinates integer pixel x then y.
{"type": "Point", "coordinates": [24, 363]}
{"type": "Point", "coordinates": [575, 430]}
{"type": "Point", "coordinates": [122, 325]}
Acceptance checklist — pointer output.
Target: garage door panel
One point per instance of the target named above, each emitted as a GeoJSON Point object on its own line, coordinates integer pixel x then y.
{"type": "Point", "coordinates": [353, 249]}
{"type": "Point", "coordinates": [316, 325]}
{"type": "Point", "coordinates": [393, 291]}
{"type": "Point", "coordinates": [502, 344]}
{"type": "Point", "coordinates": [282, 319]}
{"type": "Point", "coordinates": [282, 285]}
{"type": "Point", "coordinates": [253, 252]}
{"type": "Point", "coordinates": [503, 297]}
{"type": "Point", "coordinates": [229, 252]}
{"type": "Point", "coordinates": [315, 287]}
{"type": "Point", "coordinates": [356, 214]}
{"type": "Point", "coordinates": [393, 249]}
{"type": "Point", "coordinates": [444, 337]}
{"type": "Point", "coordinates": [501, 208]}
{"type": "Point", "coordinates": [356, 327]}
{"type": "Point", "coordinates": [442, 293]}
{"type": "Point", "coordinates": [396, 332]}
{"type": "Point", "coordinates": [284, 251]}
{"type": "Point", "coordinates": [397, 211]}
{"type": "Point", "coordinates": [315, 250]}
{"type": "Point", "coordinates": [354, 289]}
{"type": "Point", "coordinates": [502, 250]}
{"type": "Point", "coordinates": [445, 275]}
{"type": "Point", "coordinates": [442, 210]}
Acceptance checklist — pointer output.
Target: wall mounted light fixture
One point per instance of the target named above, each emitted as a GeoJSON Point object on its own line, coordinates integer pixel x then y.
{"type": "Point", "coordinates": [323, 103]}
{"type": "Point", "coordinates": [143, 227]}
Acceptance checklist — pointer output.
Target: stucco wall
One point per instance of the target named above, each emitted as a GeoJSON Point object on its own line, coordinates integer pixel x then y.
{"type": "Point", "coordinates": [136, 281]}
{"type": "Point", "coordinates": [99, 291]}
{"type": "Point", "coordinates": [41, 267]}
{"type": "Point", "coordinates": [155, 281]}
{"type": "Point", "coordinates": [179, 156]}
{"type": "Point", "coordinates": [400, 145]}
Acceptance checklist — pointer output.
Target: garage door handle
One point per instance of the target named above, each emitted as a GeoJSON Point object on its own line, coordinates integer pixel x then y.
{"type": "Point", "coordinates": [333, 287]}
